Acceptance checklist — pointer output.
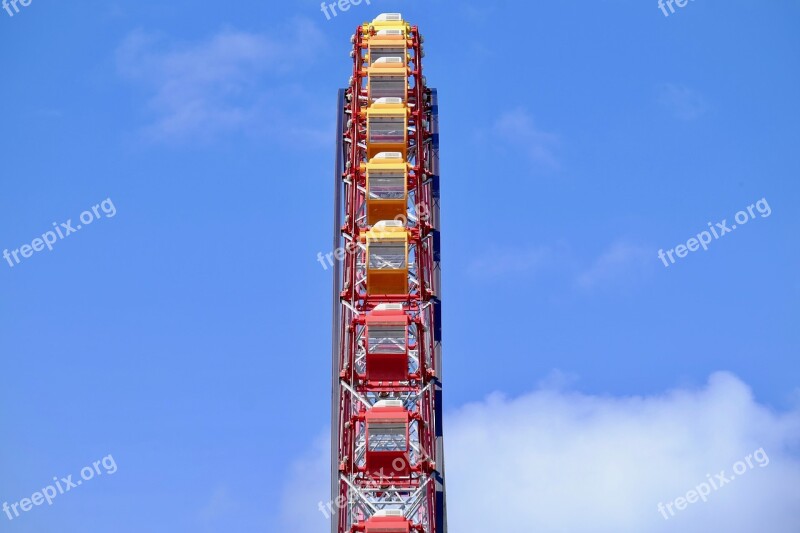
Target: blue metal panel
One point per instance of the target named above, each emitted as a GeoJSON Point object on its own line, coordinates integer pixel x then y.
{"type": "Point", "coordinates": [337, 306]}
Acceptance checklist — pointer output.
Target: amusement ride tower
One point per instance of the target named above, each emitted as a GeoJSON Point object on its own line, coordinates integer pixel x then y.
{"type": "Point", "coordinates": [387, 438]}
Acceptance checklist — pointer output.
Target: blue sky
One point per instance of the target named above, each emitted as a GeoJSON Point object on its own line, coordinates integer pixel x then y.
{"type": "Point", "coordinates": [188, 334]}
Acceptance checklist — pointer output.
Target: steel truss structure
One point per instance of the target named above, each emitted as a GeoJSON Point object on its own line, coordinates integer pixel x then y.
{"type": "Point", "coordinates": [387, 439]}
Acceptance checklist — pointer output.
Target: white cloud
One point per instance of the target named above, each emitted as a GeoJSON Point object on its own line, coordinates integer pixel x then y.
{"type": "Point", "coordinates": [621, 260]}
{"type": "Point", "coordinates": [516, 128]}
{"type": "Point", "coordinates": [477, 14]}
{"type": "Point", "coordinates": [504, 261]}
{"type": "Point", "coordinates": [228, 82]}
{"type": "Point", "coordinates": [218, 508]}
{"type": "Point", "coordinates": [683, 102]}
{"type": "Point", "coordinates": [561, 461]}
{"type": "Point", "coordinates": [309, 485]}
